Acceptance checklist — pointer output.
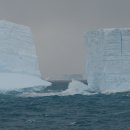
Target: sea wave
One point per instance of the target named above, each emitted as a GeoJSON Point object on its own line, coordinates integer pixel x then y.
{"type": "Point", "coordinates": [74, 88]}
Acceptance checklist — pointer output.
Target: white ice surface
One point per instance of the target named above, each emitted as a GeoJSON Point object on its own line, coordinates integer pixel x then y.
{"type": "Point", "coordinates": [13, 81]}
{"type": "Point", "coordinates": [108, 60]}
{"type": "Point", "coordinates": [18, 60]}
{"type": "Point", "coordinates": [17, 50]}
{"type": "Point", "coordinates": [76, 87]}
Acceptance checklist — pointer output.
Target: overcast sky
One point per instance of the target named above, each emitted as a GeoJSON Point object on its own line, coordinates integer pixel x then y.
{"type": "Point", "coordinates": [58, 28]}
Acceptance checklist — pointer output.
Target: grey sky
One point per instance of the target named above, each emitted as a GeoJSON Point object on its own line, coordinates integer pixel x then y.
{"type": "Point", "coordinates": [58, 27]}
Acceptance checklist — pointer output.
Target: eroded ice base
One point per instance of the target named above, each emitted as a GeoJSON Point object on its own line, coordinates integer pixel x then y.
{"type": "Point", "coordinates": [76, 87]}
{"type": "Point", "coordinates": [14, 81]}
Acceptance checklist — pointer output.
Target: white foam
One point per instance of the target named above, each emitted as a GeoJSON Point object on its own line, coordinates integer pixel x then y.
{"type": "Point", "coordinates": [110, 90]}
{"type": "Point", "coordinates": [74, 87]}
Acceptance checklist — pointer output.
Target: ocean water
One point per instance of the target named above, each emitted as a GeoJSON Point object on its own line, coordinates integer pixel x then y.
{"type": "Point", "coordinates": [74, 112]}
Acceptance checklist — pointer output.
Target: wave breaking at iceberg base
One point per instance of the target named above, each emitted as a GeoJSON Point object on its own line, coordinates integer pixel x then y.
{"type": "Point", "coordinates": [77, 88]}
{"type": "Point", "coordinates": [74, 88]}
{"type": "Point", "coordinates": [118, 89]}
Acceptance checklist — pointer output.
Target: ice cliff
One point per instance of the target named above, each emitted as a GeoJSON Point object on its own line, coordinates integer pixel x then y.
{"type": "Point", "coordinates": [108, 59]}
{"type": "Point", "coordinates": [18, 59]}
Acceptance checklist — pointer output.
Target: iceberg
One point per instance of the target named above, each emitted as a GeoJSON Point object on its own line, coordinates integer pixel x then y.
{"type": "Point", "coordinates": [18, 60]}
{"type": "Point", "coordinates": [108, 60]}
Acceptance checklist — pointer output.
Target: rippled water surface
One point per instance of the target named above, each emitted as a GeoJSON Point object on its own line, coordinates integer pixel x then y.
{"type": "Point", "coordinates": [78, 112]}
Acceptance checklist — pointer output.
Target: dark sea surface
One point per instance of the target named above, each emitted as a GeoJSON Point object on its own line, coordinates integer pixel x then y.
{"type": "Point", "coordinates": [78, 112]}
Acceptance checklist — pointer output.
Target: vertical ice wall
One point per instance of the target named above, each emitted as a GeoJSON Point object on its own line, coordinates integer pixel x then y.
{"type": "Point", "coordinates": [18, 59]}
{"type": "Point", "coordinates": [17, 50]}
{"type": "Point", "coordinates": [108, 59]}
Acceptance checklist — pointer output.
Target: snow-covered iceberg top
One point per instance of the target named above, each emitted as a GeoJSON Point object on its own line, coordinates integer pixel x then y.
{"type": "Point", "coordinates": [18, 60]}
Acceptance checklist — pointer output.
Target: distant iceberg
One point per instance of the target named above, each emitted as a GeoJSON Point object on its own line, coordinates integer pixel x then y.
{"type": "Point", "coordinates": [18, 61]}
{"type": "Point", "coordinates": [108, 60]}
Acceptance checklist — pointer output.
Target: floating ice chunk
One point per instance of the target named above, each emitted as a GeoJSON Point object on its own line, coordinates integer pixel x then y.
{"type": "Point", "coordinates": [18, 59]}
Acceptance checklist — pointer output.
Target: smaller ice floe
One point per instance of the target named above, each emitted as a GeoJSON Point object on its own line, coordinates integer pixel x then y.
{"type": "Point", "coordinates": [14, 81]}
{"type": "Point", "coordinates": [74, 87]}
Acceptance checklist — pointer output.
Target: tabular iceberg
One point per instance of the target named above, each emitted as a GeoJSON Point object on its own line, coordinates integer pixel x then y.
{"type": "Point", "coordinates": [18, 60]}
{"type": "Point", "coordinates": [108, 59]}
